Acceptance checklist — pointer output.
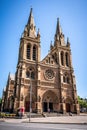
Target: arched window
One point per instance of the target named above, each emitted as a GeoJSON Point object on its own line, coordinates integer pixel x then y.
{"type": "Point", "coordinates": [67, 80]}
{"type": "Point", "coordinates": [62, 58]}
{"type": "Point", "coordinates": [28, 51]}
{"type": "Point", "coordinates": [34, 52]}
{"type": "Point", "coordinates": [30, 74]}
{"type": "Point", "coordinates": [64, 79]}
{"type": "Point", "coordinates": [27, 74]}
{"type": "Point", "coordinates": [54, 56]}
{"type": "Point", "coordinates": [67, 59]}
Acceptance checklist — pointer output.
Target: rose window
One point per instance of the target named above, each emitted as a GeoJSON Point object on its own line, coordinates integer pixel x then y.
{"type": "Point", "coordinates": [49, 74]}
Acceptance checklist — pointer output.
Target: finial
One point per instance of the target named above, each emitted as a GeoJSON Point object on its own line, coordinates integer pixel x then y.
{"type": "Point", "coordinates": [67, 40]}
{"type": "Point", "coordinates": [68, 43]}
{"type": "Point", "coordinates": [38, 33]}
{"type": "Point", "coordinates": [51, 46]}
{"type": "Point", "coordinates": [51, 43]}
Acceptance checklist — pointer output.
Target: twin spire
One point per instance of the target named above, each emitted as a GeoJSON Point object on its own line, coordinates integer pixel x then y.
{"type": "Point", "coordinates": [30, 29]}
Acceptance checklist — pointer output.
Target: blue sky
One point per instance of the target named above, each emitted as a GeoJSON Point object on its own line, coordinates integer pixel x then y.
{"type": "Point", "coordinates": [73, 19]}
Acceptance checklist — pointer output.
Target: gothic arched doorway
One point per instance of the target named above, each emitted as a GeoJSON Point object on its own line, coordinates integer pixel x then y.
{"type": "Point", "coordinates": [49, 101]}
{"type": "Point", "coordinates": [27, 104]}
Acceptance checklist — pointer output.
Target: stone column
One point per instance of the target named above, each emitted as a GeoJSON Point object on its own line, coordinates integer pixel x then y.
{"type": "Point", "coordinates": [59, 58]}
{"type": "Point", "coordinates": [77, 109]}
{"type": "Point", "coordinates": [24, 51]}
{"type": "Point", "coordinates": [31, 52]}
{"type": "Point", "coordinates": [64, 108]}
{"type": "Point", "coordinates": [39, 107]}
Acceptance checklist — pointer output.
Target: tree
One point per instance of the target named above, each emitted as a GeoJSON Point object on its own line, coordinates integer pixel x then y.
{"type": "Point", "coordinates": [82, 102]}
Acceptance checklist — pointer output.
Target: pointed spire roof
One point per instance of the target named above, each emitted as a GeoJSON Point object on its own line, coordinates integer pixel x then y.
{"type": "Point", "coordinates": [51, 46]}
{"type": "Point", "coordinates": [68, 42]}
{"type": "Point", "coordinates": [58, 27]}
{"type": "Point", "coordinates": [31, 18]}
{"type": "Point", "coordinates": [30, 29]}
{"type": "Point", "coordinates": [38, 33]}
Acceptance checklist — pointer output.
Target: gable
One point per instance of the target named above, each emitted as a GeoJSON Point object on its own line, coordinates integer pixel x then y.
{"type": "Point", "coordinates": [48, 60]}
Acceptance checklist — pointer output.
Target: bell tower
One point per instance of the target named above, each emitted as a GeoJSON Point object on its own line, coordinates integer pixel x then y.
{"type": "Point", "coordinates": [30, 42]}
{"type": "Point", "coordinates": [27, 67]}
{"type": "Point", "coordinates": [61, 53]}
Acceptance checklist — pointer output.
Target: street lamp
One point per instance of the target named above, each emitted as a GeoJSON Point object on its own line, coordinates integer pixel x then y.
{"type": "Point", "coordinates": [30, 108]}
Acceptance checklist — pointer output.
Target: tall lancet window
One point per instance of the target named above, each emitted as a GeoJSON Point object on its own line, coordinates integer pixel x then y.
{"type": "Point", "coordinates": [34, 52]}
{"type": "Point", "coordinates": [67, 59]}
{"type": "Point", "coordinates": [28, 51]}
{"type": "Point", "coordinates": [62, 58]}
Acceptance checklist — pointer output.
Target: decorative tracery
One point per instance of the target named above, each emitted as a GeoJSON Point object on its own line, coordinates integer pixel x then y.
{"type": "Point", "coordinates": [30, 73]}
{"type": "Point", "coordinates": [49, 74]}
{"type": "Point", "coordinates": [66, 78]}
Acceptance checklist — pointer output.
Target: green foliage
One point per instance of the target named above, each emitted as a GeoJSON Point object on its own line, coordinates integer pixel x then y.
{"type": "Point", "coordinates": [7, 115]}
{"type": "Point", "coordinates": [82, 102]}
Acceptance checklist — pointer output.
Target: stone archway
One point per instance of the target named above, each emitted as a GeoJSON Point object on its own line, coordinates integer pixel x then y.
{"type": "Point", "coordinates": [49, 101]}
{"type": "Point", "coordinates": [27, 103]}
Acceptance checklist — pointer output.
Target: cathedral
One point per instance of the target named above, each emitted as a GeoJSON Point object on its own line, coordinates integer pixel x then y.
{"type": "Point", "coordinates": [44, 84]}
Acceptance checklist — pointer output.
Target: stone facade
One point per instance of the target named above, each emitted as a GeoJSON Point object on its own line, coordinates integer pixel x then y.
{"type": "Point", "coordinates": [50, 81]}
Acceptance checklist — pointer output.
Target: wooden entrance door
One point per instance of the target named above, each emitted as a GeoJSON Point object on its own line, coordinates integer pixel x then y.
{"type": "Point", "coordinates": [67, 107]}
{"type": "Point", "coordinates": [51, 106]}
{"type": "Point", "coordinates": [27, 105]}
{"type": "Point", "coordinates": [45, 106]}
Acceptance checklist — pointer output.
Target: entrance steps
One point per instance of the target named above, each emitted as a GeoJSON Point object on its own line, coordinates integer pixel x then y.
{"type": "Point", "coordinates": [34, 115]}
{"type": "Point", "coordinates": [46, 114]}
{"type": "Point", "coordinates": [53, 114]}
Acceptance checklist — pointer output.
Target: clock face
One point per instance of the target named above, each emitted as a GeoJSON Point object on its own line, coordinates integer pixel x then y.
{"type": "Point", "coordinates": [49, 74]}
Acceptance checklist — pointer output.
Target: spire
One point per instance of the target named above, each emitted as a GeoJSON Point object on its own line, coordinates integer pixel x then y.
{"type": "Point", "coordinates": [58, 28]}
{"type": "Point", "coordinates": [51, 46]}
{"type": "Point", "coordinates": [38, 33]}
{"type": "Point", "coordinates": [30, 29]}
{"type": "Point", "coordinates": [31, 18]}
{"type": "Point", "coordinates": [67, 40]}
{"type": "Point", "coordinates": [9, 75]}
{"type": "Point", "coordinates": [68, 43]}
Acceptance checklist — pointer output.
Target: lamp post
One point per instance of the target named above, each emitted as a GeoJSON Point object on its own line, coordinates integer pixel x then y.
{"type": "Point", "coordinates": [30, 108]}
